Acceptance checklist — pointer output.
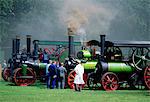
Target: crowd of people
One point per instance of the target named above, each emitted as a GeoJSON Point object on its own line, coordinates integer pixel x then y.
{"type": "Point", "coordinates": [55, 75]}
{"type": "Point", "coordinates": [56, 72]}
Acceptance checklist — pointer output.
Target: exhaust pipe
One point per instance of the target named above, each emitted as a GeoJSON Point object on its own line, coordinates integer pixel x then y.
{"type": "Point", "coordinates": [17, 44]}
{"type": "Point", "coordinates": [28, 45]}
{"type": "Point", "coordinates": [102, 38]}
{"type": "Point", "coordinates": [71, 41]}
{"type": "Point", "coordinates": [13, 48]}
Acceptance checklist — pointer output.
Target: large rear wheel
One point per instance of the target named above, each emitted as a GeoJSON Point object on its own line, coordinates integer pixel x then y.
{"type": "Point", "coordinates": [147, 77]}
{"type": "Point", "coordinates": [24, 80]}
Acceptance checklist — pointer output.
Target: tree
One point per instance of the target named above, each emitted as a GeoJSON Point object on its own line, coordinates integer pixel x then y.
{"type": "Point", "coordinates": [10, 13]}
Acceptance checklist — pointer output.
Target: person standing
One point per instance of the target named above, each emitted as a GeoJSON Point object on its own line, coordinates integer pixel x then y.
{"type": "Point", "coordinates": [45, 56]}
{"type": "Point", "coordinates": [78, 80]}
{"type": "Point", "coordinates": [61, 76]}
{"type": "Point", "coordinates": [4, 65]}
{"type": "Point", "coordinates": [52, 72]}
{"type": "Point", "coordinates": [48, 74]}
{"type": "Point", "coordinates": [40, 53]}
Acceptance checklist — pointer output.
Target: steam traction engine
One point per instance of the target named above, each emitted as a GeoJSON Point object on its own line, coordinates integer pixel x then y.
{"type": "Point", "coordinates": [113, 69]}
{"type": "Point", "coordinates": [24, 68]}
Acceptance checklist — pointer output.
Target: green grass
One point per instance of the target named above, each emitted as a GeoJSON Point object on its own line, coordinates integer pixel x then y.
{"type": "Point", "coordinates": [39, 93]}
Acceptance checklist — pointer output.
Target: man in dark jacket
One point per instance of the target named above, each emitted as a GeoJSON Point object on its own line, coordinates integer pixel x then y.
{"type": "Point", "coordinates": [52, 72]}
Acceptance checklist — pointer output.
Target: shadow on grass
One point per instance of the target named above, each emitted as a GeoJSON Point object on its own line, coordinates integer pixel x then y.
{"type": "Point", "coordinates": [10, 84]}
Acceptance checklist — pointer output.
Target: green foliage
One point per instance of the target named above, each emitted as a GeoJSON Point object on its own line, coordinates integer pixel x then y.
{"type": "Point", "coordinates": [6, 7]}
{"type": "Point", "coordinates": [10, 13]}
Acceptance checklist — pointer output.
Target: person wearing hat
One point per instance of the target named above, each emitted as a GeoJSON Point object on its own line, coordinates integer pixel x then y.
{"type": "Point", "coordinates": [78, 80]}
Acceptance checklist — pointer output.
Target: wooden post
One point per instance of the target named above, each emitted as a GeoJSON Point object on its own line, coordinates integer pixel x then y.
{"type": "Point", "coordinates": [0, 72]}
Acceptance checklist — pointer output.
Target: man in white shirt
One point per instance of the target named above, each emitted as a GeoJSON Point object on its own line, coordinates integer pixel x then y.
{"type": "Point", "coordinates": [78, 80]}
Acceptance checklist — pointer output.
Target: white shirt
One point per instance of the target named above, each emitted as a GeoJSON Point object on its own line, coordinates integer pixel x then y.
{"type": "Point", "coordinates": [79, 69]}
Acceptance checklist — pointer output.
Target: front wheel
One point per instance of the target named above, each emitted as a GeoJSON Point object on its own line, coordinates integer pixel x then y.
{"type": "Point", "coordinates": [110, 81]}
{"type": "Point", "coordinates": [6, 73]}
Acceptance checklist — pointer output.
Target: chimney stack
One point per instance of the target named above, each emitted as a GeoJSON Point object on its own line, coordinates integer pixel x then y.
{"type": "Point", "coordinates": [71, 41]}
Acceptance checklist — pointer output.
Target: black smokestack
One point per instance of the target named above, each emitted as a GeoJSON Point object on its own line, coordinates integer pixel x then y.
{"type": "Point", "coordinates": [28, 44]}
{"type": "Point", "coordinates": [13, 47]}
{"type": "Point", "coordinates": [17, 44]}
{"type": "Point", "coordinates": [102, 37]}
{"type": "Point", "coordinates": [71, 41]}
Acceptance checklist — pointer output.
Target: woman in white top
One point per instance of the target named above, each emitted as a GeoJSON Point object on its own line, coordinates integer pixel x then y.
{"type": "Point", "coordinates": [78, 80]}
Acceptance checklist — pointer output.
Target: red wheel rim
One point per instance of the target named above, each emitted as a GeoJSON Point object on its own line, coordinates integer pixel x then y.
{"type": "Point", "coordinates": [147, 77]}
{"type": "Point", "coordinates": [6, 74]}
{"type": "Point", "coordinates": [110, 81]}
{"type": "Point", "coordinates": [71, 77]}
{"type": "Point", "coordinates": [24, 81]}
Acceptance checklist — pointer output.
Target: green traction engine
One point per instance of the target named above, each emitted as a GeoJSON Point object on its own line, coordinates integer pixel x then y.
{"type": "Point", "coordinates": [114, 70]}
{"type": "Point", "coordinates": [111, 69]}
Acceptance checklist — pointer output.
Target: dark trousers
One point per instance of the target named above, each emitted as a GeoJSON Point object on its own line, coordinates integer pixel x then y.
{"type": "Point", "coordinates": [51, 82]}
{"type": "Point", "coordinates": [48, 78]}
{"type": "Point", "coordinates": [61, 82]}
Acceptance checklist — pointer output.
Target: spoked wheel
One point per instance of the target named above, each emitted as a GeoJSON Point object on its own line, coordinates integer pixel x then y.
{"type": "Point", "coordinates": [136, 81]}
{"type": "Point", "coordinates": [71, 77]}
{"type": "Point", "coordinates": [140, 58]}
{"type": "Point", "coordinates": [92, 82]}
{"type": "Point", "coordinates": [26, 80]}
{"type": "Point", "coordinates": [110, 81]}
{"type": "Point", "coordinates": [147, 77]}
{"type": "Point", "coordinates": [6, 74]}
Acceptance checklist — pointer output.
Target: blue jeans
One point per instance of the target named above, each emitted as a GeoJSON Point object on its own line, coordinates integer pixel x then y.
{"type": "Point", "coordinates": [61, 83]}
{"type": "Point", "coordinates": [53, 82]}
{"type": "Point", "coordinates": [48, 80]}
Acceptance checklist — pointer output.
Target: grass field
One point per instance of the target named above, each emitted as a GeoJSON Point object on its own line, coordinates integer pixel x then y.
{"type": "Point", "coordinates": [39, 93]}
